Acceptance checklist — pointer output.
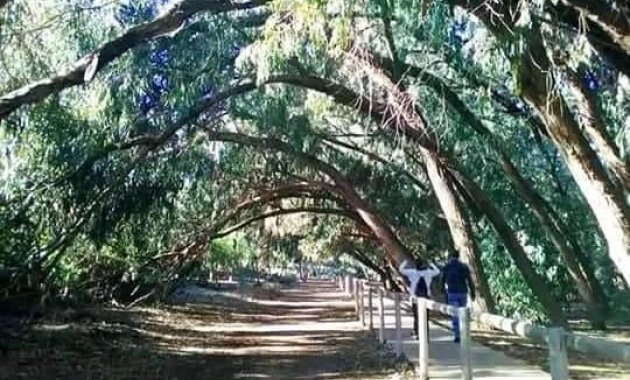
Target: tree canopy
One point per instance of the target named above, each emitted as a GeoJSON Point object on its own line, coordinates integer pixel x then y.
{"type": "Point", "coordinates": [143, 141]}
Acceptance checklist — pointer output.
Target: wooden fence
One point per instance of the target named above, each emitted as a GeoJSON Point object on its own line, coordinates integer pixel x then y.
{"type": "Point", "coordinates": [557, 339]}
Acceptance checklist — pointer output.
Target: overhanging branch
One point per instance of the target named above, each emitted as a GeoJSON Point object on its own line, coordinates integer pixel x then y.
{"type": "Point", "coordinates": [270, 214]}
{"type": "Point", "coordinates": [85, 69]}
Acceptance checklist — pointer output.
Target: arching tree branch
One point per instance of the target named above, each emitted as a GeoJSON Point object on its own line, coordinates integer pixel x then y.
{"type": "Point", "coordinates": [270, 214]}
{"type": "Point", "coordinates": [377, 158]}
{"type": "Point", "coordinates": [369, 216]}
{"type": "Point", "coordinates": [84, 70]}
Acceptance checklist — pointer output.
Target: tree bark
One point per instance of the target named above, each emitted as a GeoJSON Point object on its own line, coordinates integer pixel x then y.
{"type": "Point", "coordinates": [577, 264]}
{"type": "Point", "coordinates": [614, 21]}
{"type": "Point", "coordinates": [604, 197]}
{"type": "Point", "coordinates": [594, 127]}
{"type": "Point", "coordinates": [537, 283]}
{"type": "Point", "coordinates": [598, 35]}
{"type": "Point", "coordinates": [460, 228]}
{"type": "Point", "coordinates": [534, 76]}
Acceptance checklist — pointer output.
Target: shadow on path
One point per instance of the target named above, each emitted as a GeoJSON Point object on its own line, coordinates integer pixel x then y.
{"type": "Point", "coordinates": [305, 332]}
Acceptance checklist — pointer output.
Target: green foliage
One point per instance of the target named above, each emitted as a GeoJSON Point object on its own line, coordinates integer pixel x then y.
{"type": "Point", "coordinates": [79, 220]}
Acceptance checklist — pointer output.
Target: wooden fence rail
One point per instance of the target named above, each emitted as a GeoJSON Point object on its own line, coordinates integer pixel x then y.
{"type": "Point", "coordinates": [557, 339]}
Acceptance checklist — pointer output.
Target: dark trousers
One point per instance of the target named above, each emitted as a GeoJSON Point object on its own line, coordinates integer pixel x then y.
{"type": "Point", "coordinates": [414, 310]}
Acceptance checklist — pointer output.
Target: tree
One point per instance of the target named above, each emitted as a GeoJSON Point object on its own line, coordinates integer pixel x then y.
{"type": "Point", "coordinates": [379, 136]}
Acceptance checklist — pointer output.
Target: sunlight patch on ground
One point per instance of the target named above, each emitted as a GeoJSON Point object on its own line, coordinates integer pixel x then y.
{"type": "Point", "coordinates": [303, 326]}
{"type": "Point", "coordinates": [291, 335]}
{"type": "Point", "coordinates": [600, 369]}
{"type": "Point", "coordinates": [51, 327]}
{"type": "Point", "coordinates": [254, 350]}
{"type": "Point", "coordinates": [252, 376]}
{"type": "Point", "coordinates": [307, 304]}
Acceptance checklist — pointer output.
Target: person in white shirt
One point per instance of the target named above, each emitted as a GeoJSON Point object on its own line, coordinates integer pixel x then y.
{"type": "Point", "coordinates": [419, 278]}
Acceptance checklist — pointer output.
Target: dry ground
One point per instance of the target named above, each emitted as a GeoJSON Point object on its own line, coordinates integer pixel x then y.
{"type": "Point", "coordinates": [298, 333]}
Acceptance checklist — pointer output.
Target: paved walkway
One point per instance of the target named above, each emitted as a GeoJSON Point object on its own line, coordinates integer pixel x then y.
{"type": "Point", "coordinates": [444, 362]}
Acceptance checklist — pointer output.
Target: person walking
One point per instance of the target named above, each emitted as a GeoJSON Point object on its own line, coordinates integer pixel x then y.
{"type": "Point", "coordinates": [418, 279]}
{"type": "Point", "coordinates": [458, 283]}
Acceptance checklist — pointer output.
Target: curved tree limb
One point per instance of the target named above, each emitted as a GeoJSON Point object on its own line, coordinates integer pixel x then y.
{"type": "Point", "coordinates": [558, 232]}
{"type": "Point", "coordinates": [339, 92]}
{"type": "Point", "coordinates": [220, 228]}
{"type": "Point", "coordinates": [311, 190]}
{"type": "Point", "coordinates": [609, 46]}
{"type": "Point", "coordinates": [377, 158]}
{"type": "Point", "coordinates": [396, 251]}
{"type": "Point", "coordinates": [604, 196]}
{"type": "Point", "coordinates": [594, 127]}
{"type": "Point", "coordinates": [84, 70]}
{"type": "Point", "coordinates": [270, 214]}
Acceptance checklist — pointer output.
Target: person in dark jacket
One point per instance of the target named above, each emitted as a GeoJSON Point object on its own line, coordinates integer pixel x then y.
{"type": "Point", "coordinates": [458, 283]}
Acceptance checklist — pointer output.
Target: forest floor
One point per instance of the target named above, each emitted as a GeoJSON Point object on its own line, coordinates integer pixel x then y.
{"type": "Point", "coordinates": [581, 366]}
{"type": "Point", "coordinates": [301, 333]}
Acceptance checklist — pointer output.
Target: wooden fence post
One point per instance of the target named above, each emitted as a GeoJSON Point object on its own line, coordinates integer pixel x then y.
{"type": "Point", "coordinates": [362, 302]}
{"type": "Point", "coordinates": [371, 309]}
{"type": "Point", "coordinates": [423, 340]}
{"type": "Point", "coordinates": [465, 342]}
{"type": "Point", "coordinates": [351, 287]}
{"type": "Point", "coordinates": [558, 361]}
{"type": "Point", "coordinates": [355, 292]}
{"type": "Point", "coordinates": [398, 325]}
{"type": "Point", "coordinates": [347, 288]}
{"type": "Point", "coordinates": [381, 314]}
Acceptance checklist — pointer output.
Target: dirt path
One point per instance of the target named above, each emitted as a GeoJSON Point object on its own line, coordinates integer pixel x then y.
{"type": "Point", "coordinates": [306, 332]}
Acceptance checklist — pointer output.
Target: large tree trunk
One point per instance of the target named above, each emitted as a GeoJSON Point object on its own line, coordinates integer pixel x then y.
{"type": "Point", "coordinates": [577, 264]}
{"type": "Point", "coordinates": [536, 83]}
{"type": "Point", "coordinates": [594, 127]}
{"type": "Point", "coordinates": [460, 229]}
{"type": "Point", "coordinates": [613, 20]}
{"type": "Point", "coordinates": [398, 254]}
{"type": "Point", "coordinates": [604, 197]}
{"type": "Point", "coordinates": [579, 269]}
{"type": "Point", "coordinates": [404, 115]}
{"type": "Point", "coordinates": [537, 283]}
{"type": "Point", "coordinates": [602, 37]}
